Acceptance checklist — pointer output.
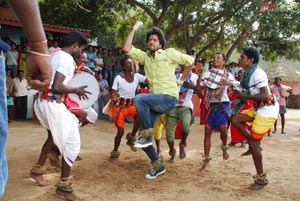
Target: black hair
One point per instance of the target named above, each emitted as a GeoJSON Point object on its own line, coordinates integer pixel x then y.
{"type": "Point", "coordinates": [122, 62]}
{"type": "Point", "coordinates": [251, 52]}
{"type": "Point", "coordinates": [73, 37]}
{"type": "Point", "coordinates": [161, 37]}
{"type": "Point", "coordinates": [20, 71]}
{"type": "Point", "coordinates": [277, 78]}
{"type": "Point", "coordinates": [223, 55]}
{"type": "Point", "coordinates": [100, 72]}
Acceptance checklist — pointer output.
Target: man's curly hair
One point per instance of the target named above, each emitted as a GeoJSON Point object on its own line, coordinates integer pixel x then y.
{"type": "Point", "coordinates": [161, 37]}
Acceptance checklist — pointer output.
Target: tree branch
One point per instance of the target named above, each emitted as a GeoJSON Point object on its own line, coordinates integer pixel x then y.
{"type": "Point", "coordinates": [212, 42]}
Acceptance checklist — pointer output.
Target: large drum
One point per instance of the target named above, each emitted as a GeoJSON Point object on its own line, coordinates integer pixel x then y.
{"type": "Point", "coordinates": [81, 79]}
{"type": "Point", "coordinates": [284, 90]}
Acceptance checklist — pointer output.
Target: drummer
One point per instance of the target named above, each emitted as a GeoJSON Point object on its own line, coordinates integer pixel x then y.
{"type": "Point", "coordinates": [62, 125]}
{"type": "Point", "coordinates": [217, 107]}
{"type": "Point", "coordinates": [85, 115]}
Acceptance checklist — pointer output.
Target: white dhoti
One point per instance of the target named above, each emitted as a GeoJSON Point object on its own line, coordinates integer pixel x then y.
{"type": "Point", "coordinates": [63, 125]}
{"type": "Point", "coordinates": [91, 114]}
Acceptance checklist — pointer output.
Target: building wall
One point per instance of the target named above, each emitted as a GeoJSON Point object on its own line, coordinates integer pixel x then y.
{"type": "Point", "coordinates": [294, 85]}
{"type": "Point", "coordinates": [14, 33]}
{"type": "Point", "coordinates": [6, 12]}
{"type": "Point", "coordinates": [293, 101]}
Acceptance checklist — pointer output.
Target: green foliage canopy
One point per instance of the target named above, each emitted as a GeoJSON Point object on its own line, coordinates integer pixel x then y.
{"type": "Point", "coordinates": [205, 26]}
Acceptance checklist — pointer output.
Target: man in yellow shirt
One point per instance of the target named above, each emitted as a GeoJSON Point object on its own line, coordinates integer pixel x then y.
{"type": "Point", "coordinates": [159, 64]}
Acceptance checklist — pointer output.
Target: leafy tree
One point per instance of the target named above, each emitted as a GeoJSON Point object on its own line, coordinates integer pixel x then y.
{"type": "Point", "coordinates": [94, 15]}
{"type": "Point", "coordinates": [208, 26]}
{"type": "Point", "coordinates": [205, 26]}
{"type": "Point", "coordinates": [278, 29]}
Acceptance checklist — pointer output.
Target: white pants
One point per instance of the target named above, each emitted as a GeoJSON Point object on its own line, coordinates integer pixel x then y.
{"type": "Point", "coordinates": [91, 115]}
{"type": "Point", "coordinates": [63, 125]}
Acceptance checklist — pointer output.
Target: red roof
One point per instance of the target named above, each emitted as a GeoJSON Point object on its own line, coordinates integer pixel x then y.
{"type": "Point", "coordinates": [47, 27]}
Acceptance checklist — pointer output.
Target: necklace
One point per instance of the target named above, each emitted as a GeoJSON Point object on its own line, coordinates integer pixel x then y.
{"type": "Point", "coordinates": [129, 78]}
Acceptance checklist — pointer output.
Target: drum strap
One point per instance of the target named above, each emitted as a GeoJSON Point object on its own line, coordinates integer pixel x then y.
{"type": "Point", "coordinates": [245, 85]}
{"type": "Point", "coordinates": [123, 102]}
{"type": "Point", "coordinates": [50, 96]}
{"type": "Point", "coordinates": [270, 101]}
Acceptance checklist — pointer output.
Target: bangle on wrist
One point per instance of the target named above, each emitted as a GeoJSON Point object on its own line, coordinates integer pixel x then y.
{"type": "Point", "coordinates": [37, 53]}
{"type": "Point", "coordinates": [179, 82]}
{"type": "Point", "coordinates": [38, 43]}
{"type": "Point", "coordinates": [33, 44]}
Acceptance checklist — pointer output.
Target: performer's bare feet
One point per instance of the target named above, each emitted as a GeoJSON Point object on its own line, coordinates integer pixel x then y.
{"type": "Point", "coordinates": [173, 156]}
{"type": "Point", "coordinates": [259, 183]}
{"type": "Point", "coordinates": [66, 195]}
{"type": "Point", "coordinates": [206, 162]}
{"type": "Point", "coordinates": [114, 155]}
{"type": "Point", "coordinates": [247, 153]}
{"type": "Point", "coordinates": [255, 186]}
{"type": "Point", "coordinates": [225, 154]}
{"type": "Point", "coordinates": [133, 148]}
{"type": "Point", "coordinates": [172, 159]}
{"type": "Point", "coordinates": [40, 180]}
{"type": "Point", "coordinates": [113, 160]}
{"type": "Point", "coordinates": [274, 131]}
{"type": "Point", "coordinates": [182, 153]}
{"type": "Point", "coordinates": [283, 132]}
{"type": "Point", "coordinates": [204, 166]}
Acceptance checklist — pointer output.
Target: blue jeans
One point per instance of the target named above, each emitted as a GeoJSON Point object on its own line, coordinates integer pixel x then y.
{"type": "Point", "coordinates": [109, 76]}
{"type": "Point", "coordinates": [148, 108]}
{"type": "Point", "coordinates": [101, 103]}
{"type": "Point", "coordinates": [3, 125]}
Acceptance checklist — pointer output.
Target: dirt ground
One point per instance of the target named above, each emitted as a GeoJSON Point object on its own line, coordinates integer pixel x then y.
{"type": "Point", "coordinates": [95, 178]}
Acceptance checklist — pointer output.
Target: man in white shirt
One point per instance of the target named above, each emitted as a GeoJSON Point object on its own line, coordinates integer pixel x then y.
{"type": "Point", "coordinates": [11, 60]}
{"type": "Point", "coordinates": [182, 111]}
{"type": "Point", "coordinates": [217, 105]}
{"type": "Point", "coordinates": [62, 125]}
{"type": "Point", "coordinates": [20, 93]}
{"type": "Point", "coordinates": [261, 117]}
